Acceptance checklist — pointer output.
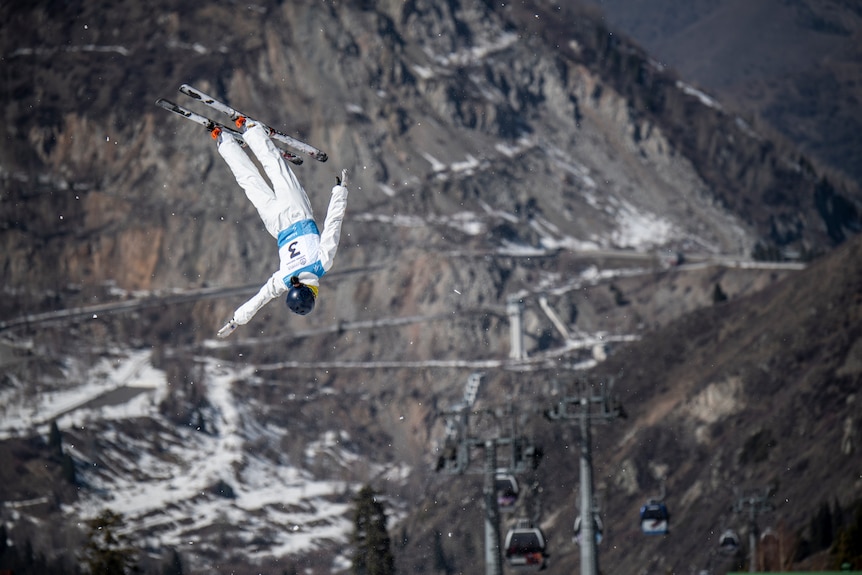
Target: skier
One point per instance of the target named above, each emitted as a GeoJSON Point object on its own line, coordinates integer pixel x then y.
{"type": "Point", "coordinates": [305, 254]}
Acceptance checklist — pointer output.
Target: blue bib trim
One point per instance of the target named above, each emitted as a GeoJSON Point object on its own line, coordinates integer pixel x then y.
{"type": "Point", "coordinates": [293, 231]}
{"type": "Point", "coordinates": [316, 268]}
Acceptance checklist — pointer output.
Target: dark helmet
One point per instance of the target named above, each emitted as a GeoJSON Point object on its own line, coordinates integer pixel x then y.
{"type": "Point", "coordinates": [300, 297]}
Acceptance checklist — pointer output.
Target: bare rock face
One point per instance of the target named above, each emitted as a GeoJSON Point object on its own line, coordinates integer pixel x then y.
{"type": "Point", "coordinates": [438, 109]}
{"type": "Point", "coordinates": [498, 153]}
{"type": "Point", "coordinates": [796, 66]}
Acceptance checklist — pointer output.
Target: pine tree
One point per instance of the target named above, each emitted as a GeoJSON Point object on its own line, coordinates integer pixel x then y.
{"type": "Point", "coordinates": [837, 517]}
{"type": "Point", "coordinates": [371, 543]}
{"type": "Point", "coordinates": [441, 563]}
{"type": "Point", "coordinates": [55, 439]}
{"type": "Point", "coordinates": [848, 550]}
{"type": "Point", "coordinates": [174, 565]}
{"type": "Point", "coordinates": [67, 465]}
{"type": "Point", "coordinates": [821, 528]}
{"type": "Point", "coordinates": [718, 295]}
{"type": "Point", "coordinates": [7, 554]}
{"type": "Point", "coordinates": [107, 552]}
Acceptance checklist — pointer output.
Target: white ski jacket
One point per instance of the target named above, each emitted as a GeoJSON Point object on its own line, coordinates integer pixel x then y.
{"type": "Point", "coordinates": [302, 252]}
{"type": "Point", "coordinates": [287, 215]}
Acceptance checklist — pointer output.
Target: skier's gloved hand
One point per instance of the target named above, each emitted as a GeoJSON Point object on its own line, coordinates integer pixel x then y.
{"type": "Point", "coordinates": [342, 181]}
{"type": "Point", "coordinates": [227, 329]}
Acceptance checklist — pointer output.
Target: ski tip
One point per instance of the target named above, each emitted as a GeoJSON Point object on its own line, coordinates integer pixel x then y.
{"type": "Point", "coordinates": [292, 158]}
{"type": "Point", "coordinates": [166, 104]}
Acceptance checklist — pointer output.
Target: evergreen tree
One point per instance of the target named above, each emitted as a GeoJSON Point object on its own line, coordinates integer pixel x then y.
{"type": "Point", "coordinates": [55, 439]}
{"type": "Point", "coordinates": [619, 296]}
{"type": "Point", "coordinates": [28, 558]}
{"type": "Point", "coordinates": [837, 517]}
{"type": "Point", "coordinates": [371, 544]}
{"type": "Point", "coordinates": [107, 551]}
{"type": "Point", "coordinates": [174, 565]}
{"type": "Point", "coordinates": [821, 528]}
{"type": "Point", "coordinates": [441, 563]}
{"type": "Point", "coordinates": [766, 253]}
{"type": "Point", "coordinates": [848, 549]}
{"type": "Point", "coordinates": [67, 465]}
{"type": "Point", "coordinates": [718, 295]}
{"type": "Point", "coordinates": [7, 554]}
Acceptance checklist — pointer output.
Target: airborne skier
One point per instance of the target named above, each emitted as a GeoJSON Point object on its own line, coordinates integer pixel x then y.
{"type": "Point", "coordinates": [304, 252]}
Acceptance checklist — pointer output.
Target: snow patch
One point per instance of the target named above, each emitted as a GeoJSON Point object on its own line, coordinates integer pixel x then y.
{"type": "Point", "coordinates": [640, 229]}
{"type": "Point", "coordinates": [692, 91]}
{"type": "Point", "coordinates": [478, 52]}
{"type": "Point", "coordinates": [169, 494]}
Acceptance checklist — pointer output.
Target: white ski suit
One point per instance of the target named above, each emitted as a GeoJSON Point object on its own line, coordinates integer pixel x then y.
{"type": "Point", "coordinates": [286, 213]}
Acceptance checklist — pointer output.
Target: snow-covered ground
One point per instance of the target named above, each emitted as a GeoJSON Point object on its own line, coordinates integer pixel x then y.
{"type": "Point", "coordinates": [170, 494]}
{"type": "Point", "coordinates": [167, 494]}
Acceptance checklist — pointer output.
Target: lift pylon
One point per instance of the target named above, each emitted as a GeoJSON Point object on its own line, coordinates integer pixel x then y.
{"type": "Point", "coordinates": [578, 407]}
{"type": "Point", "coordinates": [456, 456]}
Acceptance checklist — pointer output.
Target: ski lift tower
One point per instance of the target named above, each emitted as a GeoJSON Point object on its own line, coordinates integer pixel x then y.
{"type": "Point", "coordinates": [755, 503]}
{"type": "Point", "coordinates": [456, 458]}
{"type": "Point", "coordinates": [515, 312]}
{"type": "Point", "coordinates": [582, 412]}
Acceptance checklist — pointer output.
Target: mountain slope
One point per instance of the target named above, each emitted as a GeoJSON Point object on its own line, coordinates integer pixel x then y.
{"type": "Point", "coordinates": [608, 134]}
{"type": "Point", "coordinates": [755, 393]}
{"type": "Point", "coordinates": [791, 64]}
{"type": "Point", "coordinates": [500, 154]}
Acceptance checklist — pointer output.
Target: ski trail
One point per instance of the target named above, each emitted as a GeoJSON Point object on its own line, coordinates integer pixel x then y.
{"type": "Point", "coordinates": [228, 448]}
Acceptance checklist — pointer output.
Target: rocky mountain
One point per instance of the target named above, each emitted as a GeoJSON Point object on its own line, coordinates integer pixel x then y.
{"type": "Point", "coordinates": [500, 154]}
{"type": "Point", "coordinates": [793, 65]}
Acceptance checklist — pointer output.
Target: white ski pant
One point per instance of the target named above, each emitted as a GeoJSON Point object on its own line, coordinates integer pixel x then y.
{"type": "Point", "coordinates": [283, 204]}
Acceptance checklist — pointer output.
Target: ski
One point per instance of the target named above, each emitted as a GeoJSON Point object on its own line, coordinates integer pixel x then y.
{"type": "Point", "coordinates": [234, 114]}
{"type": "Point", "coordinates": [210, 125]}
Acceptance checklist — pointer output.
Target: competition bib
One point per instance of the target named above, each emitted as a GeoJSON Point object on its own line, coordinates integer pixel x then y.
{"type": "Point", "coordinates": [299, 250]}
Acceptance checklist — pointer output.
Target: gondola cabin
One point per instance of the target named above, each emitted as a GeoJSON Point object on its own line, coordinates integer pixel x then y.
{"type": "Point", "coordinates": [598, 529]}
{"type": "Point", "coordinates": [728, 543]}
{"type": "Point", "coordinates": [655, 520]}
{"type": "Point", "coordinates": [507, 491]}
{"type": "Point", "coordinates": [525, 546]}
